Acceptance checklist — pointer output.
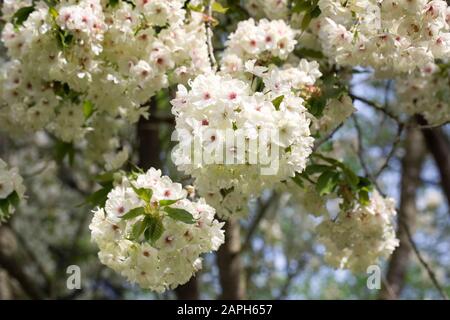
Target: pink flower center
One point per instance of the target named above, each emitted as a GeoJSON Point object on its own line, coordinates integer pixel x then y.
{"type": "Point", "coordinates": [232, 96]}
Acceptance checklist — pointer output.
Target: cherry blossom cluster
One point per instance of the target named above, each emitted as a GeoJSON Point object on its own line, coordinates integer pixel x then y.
{"type": "Point", "coordinates": [263, 40]}
{"type": "Point", "coordinates": [76, 63]}
{"type": "Point", "coordinates": [12, 190]}
{"type": "Point", "coordinates": [217, 104]}
{"type": "Point", "coordinates": [426, 92]}
{"type": "Point", "coordinates": [358, 237]}
{"type": "Point", "coordinates": [152, 234]}
{"type": "Point", "coordinates": [391, 36]}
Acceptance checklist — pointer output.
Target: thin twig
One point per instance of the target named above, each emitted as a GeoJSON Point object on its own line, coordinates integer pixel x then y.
{"type": "Point", "coordinates": [422, 261]}
{"type": "Point", "coordinates": [326, 138]}
{"type": "Point", "coordinates": [376, 106]}
{"type": "Point", "coordinates": [209, 34]}
{"type": "Point", "coordinates": [392, 115]}
{"type": "Point", "coordinates": [391, 153]}
{"type": "Point", "coordinates": [263, 209]}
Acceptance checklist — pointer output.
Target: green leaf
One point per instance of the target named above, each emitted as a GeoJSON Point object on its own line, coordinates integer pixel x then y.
{"type": "Point", "coordinates": [306, 21]}
{"type": "Point", "coordinates": [88, 109]}
{"type": "Point", "coordinates": [316, 168]}
{"type": "Point", "coordinates": [53, 12]}
{"type": "Point", "coordinates": [99, 197]}
{"type": "Point", "coordinates": [217, 7]}
{"type": "Point", "coordinates": [326, 182]}
{"type": "Point", "coordinates": [309, 53]}
{"type": "Point", "coordinates": [113, 3]}
{"type": "Point", "coordinates": [143, 193]}
{"type": "Point", "coordinates": [63, 150]}
{"type": "Point", "coordinates": [133, 213]}
{"type": "Point", "coordinates": [316, 105]}
{"type": "Point", "coordinates": [364, 198]}
{"type": "Point", "coordinates": [197, 8]}
{"type": "Point", "coordinates": [350, 177]}
{"type": "Point", "coordinates": [164, 203]}
{"type": "Point", "coordinates": [14, 199]}
{"type": "Point", "coordinates": [105, 178]}
{"type": "Point", "coordinates": [277, 101]}
{"type": "Point", "coordinates": [315, 12]}
{"type": "Point", "coordinates": [4, 207]}
{"type": "Point", "coordinates": [180, 215]}
{"type": "Point", "coordinates": [138, 229]}
{"type": "Point", "coordinates": [365, 183]}
{"type": "Point", "coordinates": [301, 6]}
{"type": "Point", "coordinates": [64, 39]}
{"type": "Point", "coordinates": [155, 229]}
{"type": "Point", "coordinates": [21, 16]}
{"type": "Point", "coordinates": [298, 180]}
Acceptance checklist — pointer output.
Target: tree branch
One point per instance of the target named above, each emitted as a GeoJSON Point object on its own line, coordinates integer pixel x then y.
{"type": "Point", "coordinates": [229, 263]}
{"type": "Point", "coordinates": [412, 163]}
{"type": "Point", "coordinates": [209, 34]}
{"type": "Point", "coordinates": [439, 147]}
{"type": "Point", "coordinates": [10, 263]}
{"type": "Point", "coordinates": [422, 261]}
{"type": "Point", "coordinates": [263, 209]}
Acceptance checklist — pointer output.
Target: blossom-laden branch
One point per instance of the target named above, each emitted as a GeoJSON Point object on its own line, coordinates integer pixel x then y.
{"type": "Point", "coordinates": [209, 34]}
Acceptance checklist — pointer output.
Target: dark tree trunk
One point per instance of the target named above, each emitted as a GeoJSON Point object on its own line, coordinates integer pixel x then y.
{"type": "Point", "coordinates": [150, 156]}
{"type": "Point", "coordinates": [411, 167]}
{"type": "Point", "coordinates": [229, 263]}
{"type": "Point", "coordinates": [439, 147]}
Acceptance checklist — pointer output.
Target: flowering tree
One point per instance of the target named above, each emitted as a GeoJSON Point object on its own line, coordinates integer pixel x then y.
{"type": "Point", "coordinates": [283, 118]}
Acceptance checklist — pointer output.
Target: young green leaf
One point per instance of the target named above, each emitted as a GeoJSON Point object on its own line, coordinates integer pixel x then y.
{"type": "Point", "coordinates": [277, 101]}
{"type": "Point", "coordinates": [105, 178]}
{"type": "Point", "coordinates": [21, 16]}
{"type": "Point", "coordinates": [138, 229]}
{"type": "Point", "coordinates": [164, 203]}
{"type": "Point", "coordinates": [133, 213]}
{"type": "Point", "coordinates": [326, 182]}
{"type": "Point", "coordinates": [301, 6]}
{"type": "Point", "coordinates": [217, 7]}
{"type": "Point", "coordinates": [309, 53]}
{"type": "Point", "coordinates": [88, 109]}
{"type": "Point", "coordinates": [364, 198]}
{"type": "Point", "coordinates": [143, 193]}
{"type": "Point", "coordinates": [113, 3]}
{"type": "Point", "coordinates": [14, 199]}
{"type": "Point", "coordinates": [4, 207]}
{"type": "Point", "coordinates": [350, 177]}
{"type": "Point", "coordinates": [180, 215]}
{"type": "Point", "coordinates": [154, 230]}
{"type": "Point", "coordinates": [316, 168]}
{"type": "Point", "coordinates": [298, 180]}
{"type": "Point", "coordinates": [306, 21]}
{"type": "Point", "coordinates": [99, 197]}
{"type": "Point", "coordinates": [63, 150]}
{"type": "Point", "coordinates": [197, 8]}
